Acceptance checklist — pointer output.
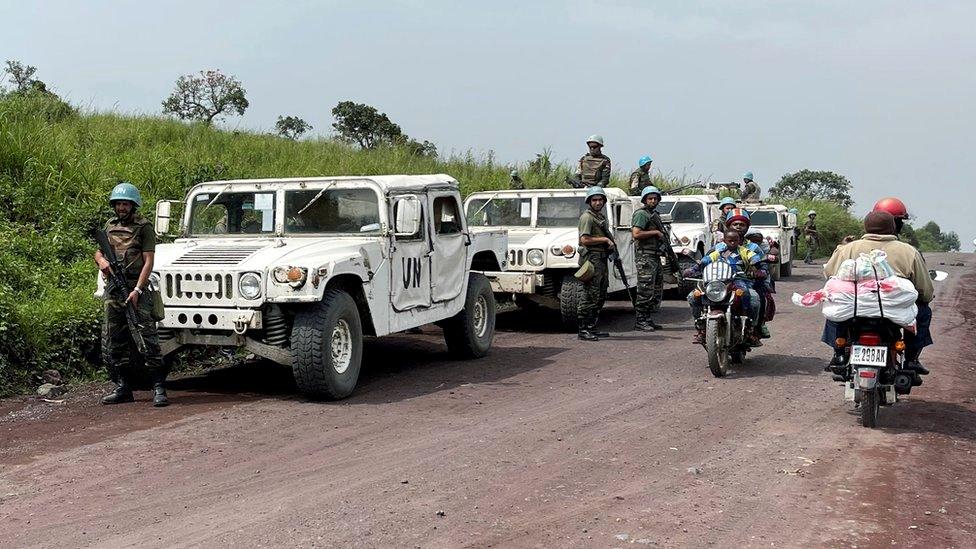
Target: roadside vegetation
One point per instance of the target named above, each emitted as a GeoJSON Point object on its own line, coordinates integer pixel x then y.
{"type": "Point", "coordinates": [58, 165]}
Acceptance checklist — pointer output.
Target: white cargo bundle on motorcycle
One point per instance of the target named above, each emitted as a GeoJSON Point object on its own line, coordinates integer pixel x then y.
{"type": "Point", "coordinates": [299, 270]}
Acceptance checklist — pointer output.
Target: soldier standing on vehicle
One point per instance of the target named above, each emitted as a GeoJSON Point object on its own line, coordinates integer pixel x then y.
{"type": "Point", "coordinates": [596, 244]}
{"type": "Point", "coordinates": [649, 237]}
{"type": "Point", "coordinates": [750, 190]}
{"type": "Point", "coordinates": [641, 177]}
{"type": "Point", "coordinates": [516, 183]}
{"type": "Point", "coordinates": [134, 242]}
{"type": "Point", "coordinates": [594, 166]}
{"type": "Point", "coordinates": [811, 235]}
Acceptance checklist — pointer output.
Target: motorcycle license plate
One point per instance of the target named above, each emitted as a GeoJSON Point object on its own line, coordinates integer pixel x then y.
{"type": "Point", "coordinates": [869, 356]}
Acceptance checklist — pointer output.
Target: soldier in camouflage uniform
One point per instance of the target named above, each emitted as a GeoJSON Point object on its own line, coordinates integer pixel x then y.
{"type": "Point", "coordinates": [649, 238]}
{"type": "Point", "coordinates": [594, 166]}
{"type": "Point", "coordinates": [750, 190]}
{"type": "Point", "coordinates": [134, 242]}
{"type": "Point", "coordinates": [641, 177]}
{"type": "Point", "coordinates": [516, 182]}
{"type": "Point", "coordinates": [596, 244]}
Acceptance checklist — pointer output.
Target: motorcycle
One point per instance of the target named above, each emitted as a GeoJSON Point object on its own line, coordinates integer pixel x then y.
{"type": "Point", "coordinates": [726, 321]}
{"type": "Point", "coordinates": [874, 373]}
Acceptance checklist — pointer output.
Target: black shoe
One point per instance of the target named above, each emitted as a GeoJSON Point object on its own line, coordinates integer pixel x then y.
{"type": "Point", "coordinates": [587, 335]}
{"type": "Point", "coordinates": [654, 325]}
{"type": "Point", "coordinates": [599, 333]}
{"type": "Point", "coordinates": [159, 396]}
{"type": "Point", "coordinates": [644, 327]}
{"type": "Point", "coordinates": [122, 393]}
{"type": "Point", "coordinates": [917, 367]}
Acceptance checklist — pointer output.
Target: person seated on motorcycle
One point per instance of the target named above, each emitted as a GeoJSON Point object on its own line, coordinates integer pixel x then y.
{"type": "Point", "coordinates": [757, 242]}
{"type": "Point", "coordinates": [736, 220]}
{"type": "Point", "coordinates": [880, 234]}
{"type": "Point", "coordinates": [742, 259]}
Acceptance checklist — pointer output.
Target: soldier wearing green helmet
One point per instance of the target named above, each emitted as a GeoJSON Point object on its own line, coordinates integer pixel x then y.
{"type": "Point", "coordinates": [641, 177]}
{"type": "Point", "coordinates": [132, 238]}
{"type": "Point", "coordinates": [649, 238]}
{"type": "Point", "coordinates": [594, 166]}
{"type": "Point", "coordinates": [596, 243]}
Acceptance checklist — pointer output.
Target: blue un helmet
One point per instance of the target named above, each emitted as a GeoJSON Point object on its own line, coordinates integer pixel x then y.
{"type": "Point", "coordinates": [727, 201]}
{"type": "Point", "coordinates": [747, 176]}
{"type": "Point", "coordinates": [644, 160]}
{"type": "Point", "coordinates": [650, 189]}
{"type": "Point", "coordinates": [595, 191]}
{"type": "Point", "coordinates": [126, 191]}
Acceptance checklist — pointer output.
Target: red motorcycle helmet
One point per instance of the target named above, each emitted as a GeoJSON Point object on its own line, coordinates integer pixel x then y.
{"type": "Point", "coordinates": [895, 207]}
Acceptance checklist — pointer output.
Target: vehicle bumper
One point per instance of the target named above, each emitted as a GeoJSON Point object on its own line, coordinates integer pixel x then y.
{"type": "Point", "coordinates": [514, 282]}
{"type": "Point", "coordinates": [201, 318]}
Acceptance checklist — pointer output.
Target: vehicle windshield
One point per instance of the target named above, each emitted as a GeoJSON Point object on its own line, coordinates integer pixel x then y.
{"type": "Point", "coordinates": [499, 212]}
{"type": "Point", "coordinates": [560, 211]}
{"type": "Point", "coordinates": [665, 206]}
{"type": "Point", "coordinates": [334, 211]}
{"type": "Point", "coordinates": [686, 212]}
{"type": "Point", "coordinates": [764, 218]}
{"type": "Point", "coordinates": [232, 213]}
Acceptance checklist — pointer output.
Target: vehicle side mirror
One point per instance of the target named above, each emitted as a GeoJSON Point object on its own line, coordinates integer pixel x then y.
{"type": "Point", "coordinates": [406, 215]}
{"type": "Point", "coordinates": [164, 210]}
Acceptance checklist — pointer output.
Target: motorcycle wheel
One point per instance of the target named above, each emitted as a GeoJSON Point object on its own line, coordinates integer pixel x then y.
{"type": "Point", "coordinates": [718, 353]}
{"type": "Point", "coordinates": [870, 403]}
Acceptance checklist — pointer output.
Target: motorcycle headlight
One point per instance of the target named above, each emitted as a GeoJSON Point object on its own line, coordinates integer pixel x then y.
{"type": "Point", "coordinates": [716, 290]}
{"type": "Point", "coordinates": [250, 285]}
{"type": "Point", "coordinates": [535, 257]}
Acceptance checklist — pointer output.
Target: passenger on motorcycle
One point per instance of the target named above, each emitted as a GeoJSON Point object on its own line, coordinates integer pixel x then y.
{"type": "Point", "coordinates": [765, 288]}
{"type": "Point", "coordinates": [881, 234]}
{"type": "Point", "coordinates": [742, 259]}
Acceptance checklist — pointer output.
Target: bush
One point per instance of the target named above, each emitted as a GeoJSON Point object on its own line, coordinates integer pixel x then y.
{"type": "Point", "coordinates": [834, 222]}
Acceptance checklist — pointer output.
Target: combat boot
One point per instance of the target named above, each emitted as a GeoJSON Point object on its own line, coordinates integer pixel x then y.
{"type": "Point", "coordinates": [650, 322]}
{"type": "Point", "coordinates": [159, 396]}
{"type": "Point", "coordinates": [643, 326]}
{"type": "Point", "coordinates": [121, 393]}
{"type": "Point", "coordinates": [587, 335]}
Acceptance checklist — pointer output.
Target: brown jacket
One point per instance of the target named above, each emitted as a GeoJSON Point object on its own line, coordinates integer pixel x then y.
{"type": "Point", "coordinates": [903, 258]}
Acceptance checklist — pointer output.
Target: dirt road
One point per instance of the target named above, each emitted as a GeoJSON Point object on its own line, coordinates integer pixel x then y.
{"type": "Point", "coordinates": [548, 442]}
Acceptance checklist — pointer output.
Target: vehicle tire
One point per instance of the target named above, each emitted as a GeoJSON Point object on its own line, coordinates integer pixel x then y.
{"type": "Point", "coordinates": [718, 354]}
{"type": "Point", "coordinates": [469, 333]}
{"type": "Point", "coordinates": [569, 295]}
{"type": "Point", "coordinates": [786, 269]}
{"type": "Point", "coordinates": [327, 347]}
{"type": "Point", "coordinates": [776, 271]}
{"type": "Point", "coordinates": [870, 403]}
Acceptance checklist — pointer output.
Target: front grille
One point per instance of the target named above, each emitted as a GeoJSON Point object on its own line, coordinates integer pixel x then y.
{"type": "Point", "coordinates": [516, 258]}
{"type": "Point", "coordinates": [217, 255]}
{"type": "Point", "coordinates": [198, 288]}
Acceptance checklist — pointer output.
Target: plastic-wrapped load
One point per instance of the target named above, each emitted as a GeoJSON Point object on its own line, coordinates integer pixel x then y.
{"type": "Point", "coordinates": [888, 297]}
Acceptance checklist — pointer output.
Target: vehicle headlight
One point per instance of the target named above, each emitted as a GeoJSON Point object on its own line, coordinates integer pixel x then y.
{"type": "Point", "coordinates": [293, 276]}
{"type": "Point", "coordinates": [535, 257]}
{"type": "Point", "coordinates": [154, 281]}
{"type": "Point", "coordinates": [250, 285]}
{"type": "Point", "coordinates": [716, 290]}
{"type": "Point", "coordinates": [565, 251]}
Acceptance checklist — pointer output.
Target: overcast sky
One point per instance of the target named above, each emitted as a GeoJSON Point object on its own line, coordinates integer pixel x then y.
{"type": "Point", "coordinates": [880, 91]}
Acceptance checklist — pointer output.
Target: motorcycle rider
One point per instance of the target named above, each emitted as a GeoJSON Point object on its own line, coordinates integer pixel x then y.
{"type": "Point", "coordinates": [880, 230]}
{"type": "Point", "coordinates": [742, 259]}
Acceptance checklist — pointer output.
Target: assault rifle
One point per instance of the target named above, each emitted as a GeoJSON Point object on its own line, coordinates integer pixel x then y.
{"type": "Point", "coordinates": [614, 257]}
{"type": "Point", "coordinates": [119, 290]}
{"type": "Point", "coordinates": [668, 250]}
{"type": "Point", "coordinates": [695, 185]}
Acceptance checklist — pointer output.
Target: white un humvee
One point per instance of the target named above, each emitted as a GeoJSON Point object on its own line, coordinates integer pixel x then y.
{"type": "Point", "coordinates": [299, 270]}
{"type": "Point", "coordinates": [543, 241]}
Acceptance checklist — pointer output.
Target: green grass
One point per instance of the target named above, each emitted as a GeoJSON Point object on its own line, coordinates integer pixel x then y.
{"type": "Point", "coordinates": [57, 167]}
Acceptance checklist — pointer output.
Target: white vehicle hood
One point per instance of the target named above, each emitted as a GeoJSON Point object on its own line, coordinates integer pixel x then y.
{"type": "Point", "coordinates": [259, 254]}
{"type": "Point", "coordinates": [542, 238]}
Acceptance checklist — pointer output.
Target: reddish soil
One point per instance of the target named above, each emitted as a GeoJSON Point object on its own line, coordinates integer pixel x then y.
{"type": "Point", "coordinates": [548, 442]}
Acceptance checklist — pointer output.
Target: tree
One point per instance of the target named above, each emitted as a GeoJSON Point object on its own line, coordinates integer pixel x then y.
{"type": "Point", "coordinates": [206, 96]}
{"type": "Point", "coordinates": [811, 185]}
{"type": "Point", "coordinates": [930, 238]}
{"type": "Point", "coordinates": [425, 149]}
{"type": "Point", "coordinates": [363, 124]}
{"type": "Point", "coordinates": [291, 127]}
{"type": "Point", "coordinates": [22, 77]}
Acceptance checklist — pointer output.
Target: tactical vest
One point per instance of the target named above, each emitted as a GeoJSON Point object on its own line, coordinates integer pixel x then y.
{"type": "Point", "coordinates": [127, 242]}
{"type": "Point", "coordinates": [604, 229]}
{"type": "Point", "coordinates": [592, 168]}
{"type": "Point", "coordinates": [651, 246]}
{"type": "Point", "coordinates": [639, 180]}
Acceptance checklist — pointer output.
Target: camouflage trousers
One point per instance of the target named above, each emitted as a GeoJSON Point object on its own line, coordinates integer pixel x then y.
{"type": "Point", "coordinates": [650, 285]}
{"type": "Point", "coordinates": [120, 347]}
{"type": "Point", "coordinates": [594, 293]}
